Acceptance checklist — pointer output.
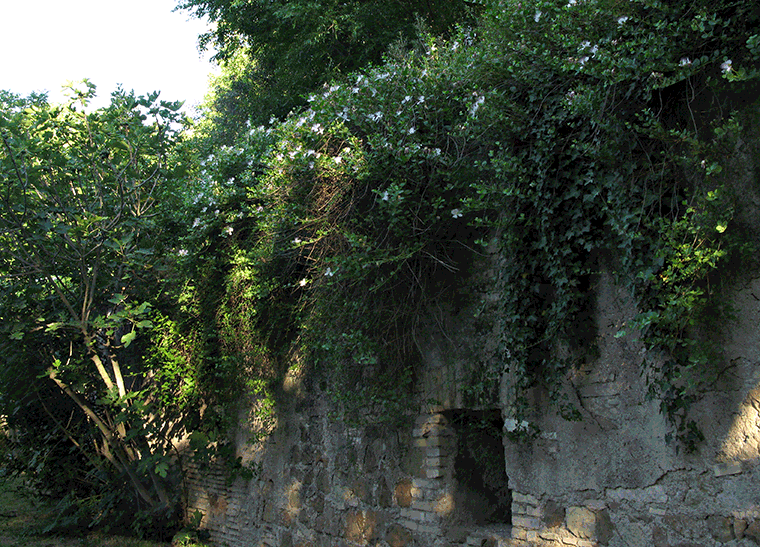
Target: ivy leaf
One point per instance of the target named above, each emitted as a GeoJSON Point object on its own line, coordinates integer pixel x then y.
{"type": "Point", "coordinates": [128, 338]}
{"type": "Point", "coordinates": [162, 469]}
{"type": "Point", "coordinates": [117, 299]}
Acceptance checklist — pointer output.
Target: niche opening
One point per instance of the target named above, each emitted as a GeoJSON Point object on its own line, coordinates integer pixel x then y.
{"type": "Point", "coordinates": [482, 495]}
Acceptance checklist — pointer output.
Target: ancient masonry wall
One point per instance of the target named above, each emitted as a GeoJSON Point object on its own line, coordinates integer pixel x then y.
{"type": "Point", "coordinates": [615, 478]}
{"type": "Point", "coordinates": [359, 491]}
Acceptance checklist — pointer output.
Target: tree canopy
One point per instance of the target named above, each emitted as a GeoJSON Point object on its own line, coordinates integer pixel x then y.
{"type": "Point", "coordinates": [294, 46]}
{"type": "Point", "coordinates": [80, 215]}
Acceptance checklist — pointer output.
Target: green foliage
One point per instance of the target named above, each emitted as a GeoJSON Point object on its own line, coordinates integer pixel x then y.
{"type": "Point", "coordinates": [81, 193]}
{"type": "Point", "coordinates": [291, 47]}
{"type": "Point", "coordinates": [586, 134]}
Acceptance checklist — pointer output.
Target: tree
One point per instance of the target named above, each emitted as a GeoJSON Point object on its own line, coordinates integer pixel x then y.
{"type": "Point", "coordinates": [295, 46]}
{"type": "Point", "coordinates": [78, 210]}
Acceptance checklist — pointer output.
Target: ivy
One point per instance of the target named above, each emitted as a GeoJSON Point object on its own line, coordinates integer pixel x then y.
{"type": "Point", "coordinates": [584, 134]}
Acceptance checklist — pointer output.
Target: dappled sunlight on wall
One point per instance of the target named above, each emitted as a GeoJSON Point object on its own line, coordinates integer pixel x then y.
{"type": "Point", "coordinates": [742, 441]}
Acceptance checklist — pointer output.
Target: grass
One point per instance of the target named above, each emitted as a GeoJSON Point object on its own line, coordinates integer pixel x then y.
{"type": "Point", "coordinates": [21, 515]}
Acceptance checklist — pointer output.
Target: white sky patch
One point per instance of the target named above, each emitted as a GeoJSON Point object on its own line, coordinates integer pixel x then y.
{"type": "Point", "coordinates": [142, 44]}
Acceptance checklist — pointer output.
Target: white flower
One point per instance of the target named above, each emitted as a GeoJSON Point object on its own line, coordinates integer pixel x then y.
{"type": "Point", "coordinates": [726, 66]}
{"type": "Point", "coordinates": [537, 16]}
{"type": "Point", "coordinates": [337, 160]}
{"type": "Point", "coordinates": [456, 213]}
{"type": "Point", "coordinates": [317, 128]}
{"type": "Point", "coordinates": [572, 3]}
{"type": "Point", "coordinates": [303, 282]}
{"type": "Point", "coordinates": [480, 100]}
{"type": "Point", "coordinates": [297, 240]}
{"type": "Point", "coordinates": [622, 20]}
{"type": "Point", "coordinates": [196, 222]}
{"type": "Point", "coordinates": [385, 196]}
{"type": "Point", "coordinates": [436, 152]}
{"type": "Point", "coordinates": [421, 99]}
{"type": "Point", "coordinates": [685, 61]}
{"type": "Point", "coordinates": [329, 272]}
{"type": "Point", "coordinates": [182, 252]}
{"type": "Point", "coordinates": [376, 116]}
{"type": "Point", "coordinates": [228, 230]}
{"type": "Point", "coordinates": [511, 425]}
{"type": "Point", "coordinates": [406, 99]}
{"type": "Point", "coordinates": [411, 131]}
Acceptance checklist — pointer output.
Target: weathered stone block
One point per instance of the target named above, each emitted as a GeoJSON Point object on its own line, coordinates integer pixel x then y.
{"type": "Point", "coordinates": [604, 527]}
{"type": "Point", "coordinates": [413, 514]}
{"type": "Point", "coordinates": [740, 526]}
{"type": "Point", "coordinates": [660, 537]}
{"type": "Point", "coordinates": [529, 523]}
{"type": "Point", "coordinates": [412, 462]}
{"type": "Point", "coordinates": [434, 462]}
{"type": "Point", "coordinates": [360, 526]}
{"type": "Point", "coordinates": [721, 528]}
{"type": "Point", "coordinates": [553, 514]}
{"type": "Point", "coordinates": [425, 483]}
{"type": "Point", "coordinates": [360, 490]}
{"type": "Point", "coordinates": [456, 534]}
{"type": "Point", "coordinates": [398, 536]}
{"type": "Point", "coordinates": [519, 533]}
{"type": "Point", "coordinates": [431, 441]}
{"type": "Point", "coordinates": [753, 531]}
{"type": "Point", "coordinates": [433, 473]}
{"type": "Point", "coordinates": [431, 419]}
{"type": "Point", "coordinates": [445, 505]}
{"type": "Point", "coordinates": [727, 468]}
{"type": "Point", "coordinates": [581, 522]}
{"type": "Point", "coordinates": [384, 496]}
{"type": "Point", "coordinates": [403, 493]}
{"type": "Point", "coordinates": [524, 498]}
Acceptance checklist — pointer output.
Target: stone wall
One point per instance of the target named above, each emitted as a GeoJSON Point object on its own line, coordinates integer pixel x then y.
{"type": "Point", "coordinates": [615, 478]}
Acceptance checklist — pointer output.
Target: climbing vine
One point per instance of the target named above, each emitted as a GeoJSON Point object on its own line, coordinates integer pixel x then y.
{"type": "Point", "coordinates": [580, 145]}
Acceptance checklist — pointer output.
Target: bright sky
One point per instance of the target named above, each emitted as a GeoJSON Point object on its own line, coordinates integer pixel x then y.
{"type": "Point", "coordinates": [142, 44]}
